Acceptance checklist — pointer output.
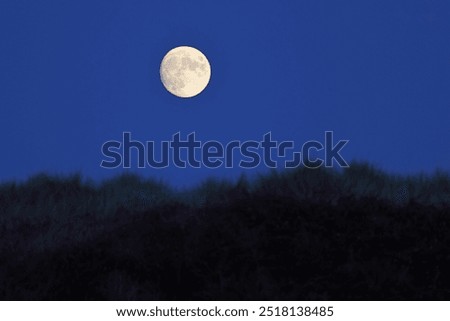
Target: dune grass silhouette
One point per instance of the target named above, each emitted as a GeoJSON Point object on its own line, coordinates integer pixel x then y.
{"type": "Point", "coordinates": [303, 235]}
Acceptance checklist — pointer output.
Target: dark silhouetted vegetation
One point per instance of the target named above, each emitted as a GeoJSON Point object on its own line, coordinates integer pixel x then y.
{"type": "Point", "coordinates": [301, 234]}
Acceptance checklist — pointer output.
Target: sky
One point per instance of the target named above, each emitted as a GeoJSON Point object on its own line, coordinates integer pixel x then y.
{"type": "Point", "coordinates": [75, 74]}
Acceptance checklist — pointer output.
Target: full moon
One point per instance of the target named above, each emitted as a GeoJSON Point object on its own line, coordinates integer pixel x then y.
{"type": "Point", "coordinates": [185, 71]}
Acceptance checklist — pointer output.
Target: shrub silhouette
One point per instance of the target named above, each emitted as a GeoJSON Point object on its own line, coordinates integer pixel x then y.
{"type": "Point", "coordinates": [300, 234]}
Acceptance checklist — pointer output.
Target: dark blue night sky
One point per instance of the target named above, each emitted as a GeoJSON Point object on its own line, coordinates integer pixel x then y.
{"type": "Point", "coordinates": [74, 74]}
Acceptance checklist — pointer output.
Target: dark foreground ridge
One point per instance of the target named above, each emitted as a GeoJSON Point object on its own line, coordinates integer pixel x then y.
{"type": "Point", "coordinates": [303, 234]}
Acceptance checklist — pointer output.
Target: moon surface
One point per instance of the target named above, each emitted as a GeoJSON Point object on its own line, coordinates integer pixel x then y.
{"type": "Point", "coordinates": [185, 71]}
